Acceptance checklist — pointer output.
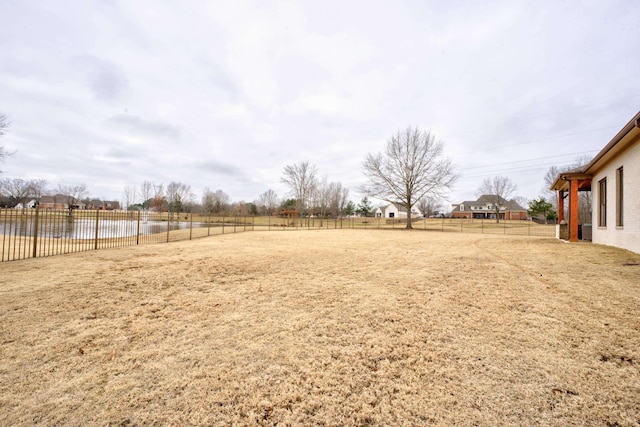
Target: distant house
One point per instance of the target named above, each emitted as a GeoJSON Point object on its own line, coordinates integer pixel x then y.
{"type": "Point", "coordinates": [30, 205]}
{"type": "Point", "coordinates": [484, 208]}
{"type": "Point", "coordinates": [103, 205]}
{"type": "Point", "coordinates": [57, 201]}
{"type": "Point", "coordinates": [395, 210]}
{"type": "Point", "coordinates": [60, 201]}
{"type": "Point", "coordinates": [613, 177]}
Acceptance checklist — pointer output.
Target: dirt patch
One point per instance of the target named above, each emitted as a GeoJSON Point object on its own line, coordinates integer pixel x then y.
{"type": "Point", "coordinates": [337, 327]}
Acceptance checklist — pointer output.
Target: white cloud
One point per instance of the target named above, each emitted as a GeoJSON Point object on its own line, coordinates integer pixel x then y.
{"type": "Point", "coordinates": [129, 91]}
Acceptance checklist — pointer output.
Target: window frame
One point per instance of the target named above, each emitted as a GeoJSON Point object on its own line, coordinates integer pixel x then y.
{"type": "Point", "coordinates": [602, 202]}
{"type": "Point", "coordinates": [620, 197]}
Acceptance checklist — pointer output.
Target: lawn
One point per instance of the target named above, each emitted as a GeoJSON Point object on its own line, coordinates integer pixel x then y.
{"type": "Point", "coordinates": [324, 327]}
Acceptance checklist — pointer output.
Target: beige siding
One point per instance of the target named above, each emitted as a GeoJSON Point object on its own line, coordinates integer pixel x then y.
{"type": "Point", "coordinates": [628, 236]}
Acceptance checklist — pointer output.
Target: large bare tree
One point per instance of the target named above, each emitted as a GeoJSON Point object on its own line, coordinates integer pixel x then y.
{"type": "Point", "coordinates": [301, 179]}
{"type": "Point", "coordinates": [412, 166]}
{"type": "Point", "coordinates": [498, 190]}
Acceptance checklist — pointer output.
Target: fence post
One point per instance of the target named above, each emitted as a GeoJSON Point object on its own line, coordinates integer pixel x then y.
{"type": "Point", "coordinates": [461, 224]}
{"type": "Point", "coordinates": [482, 225]}
{"type": "Point", "coordinates": [138, 231]}
{"type": "Point", "coordinates": [168, 225]}
{"type": "Point", "coordinates": [222, 223]}
{"type": "Point", "coordinates": [190, 225]}
{"type": "Point", "coordinates": [35, 234]}
{"type": "Point", "coordinates": [95, 246]}
{"type": "Point", "coordinates": [504, 226]}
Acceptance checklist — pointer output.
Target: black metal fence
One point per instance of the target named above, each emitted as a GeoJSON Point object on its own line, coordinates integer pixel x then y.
{"type": "Point", "coordinates": [31, 233]}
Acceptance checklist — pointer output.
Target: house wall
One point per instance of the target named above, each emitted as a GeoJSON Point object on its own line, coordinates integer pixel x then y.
{"type": "Point", "coordinates": [627, 236]}
{"type": "Point", "coordinates": [392, 208]}
{"type": "Point", "coordinates": [516, 215]}
{"type": "Point", "coordinates": [464, 214]}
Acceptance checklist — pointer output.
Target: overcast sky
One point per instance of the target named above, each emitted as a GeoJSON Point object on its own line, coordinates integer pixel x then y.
{"type": "Point", "coordinates": [224, 94]}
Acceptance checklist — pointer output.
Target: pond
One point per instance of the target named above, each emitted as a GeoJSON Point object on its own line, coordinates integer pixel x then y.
{"type": "Point", "coordinates": [72, 228]}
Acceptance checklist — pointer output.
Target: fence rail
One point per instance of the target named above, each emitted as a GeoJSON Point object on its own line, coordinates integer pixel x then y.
{"type": "Point", "coordinates": [32, 233]}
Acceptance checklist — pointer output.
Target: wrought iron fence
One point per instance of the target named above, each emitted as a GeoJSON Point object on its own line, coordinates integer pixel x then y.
{"type": "Point", "coordinates": [30, 233]}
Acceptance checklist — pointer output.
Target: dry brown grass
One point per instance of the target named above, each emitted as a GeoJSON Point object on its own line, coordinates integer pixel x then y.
{"type": "Point", "coordinates": [324, 328]}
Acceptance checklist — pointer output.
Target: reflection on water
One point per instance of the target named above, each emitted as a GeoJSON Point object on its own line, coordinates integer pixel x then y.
{"type": "Point", "coordinates": [72, 228]}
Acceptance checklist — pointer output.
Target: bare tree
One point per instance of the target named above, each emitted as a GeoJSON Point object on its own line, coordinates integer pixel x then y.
{"type": "Point", "coordinates": [207, 200]}
{"type": "Point", "coordinates": [178, 194]}
{"type": "Point", "coordinates": [497, 189]}
{"type": "Point", "coordinates": [321, 196]}
{"type": "Point", "coordinates": [20, 191]}
{"type": "Point", "coordinates": [73, 194]}
{"type": "Point", "coordinates": [129, 196]}
{"type": "Point", "coordinates": [214, 202]}
{"type": "Point", "coordinates": [584, 197]}
{"type": "Point", "coordinates": [39, 188]}
{"type": "Point", "coordinates": [338, 196]}
{"type": "Point", "coordinates": [268, 201]}
{"type": "Point", "coordinates": [4, 125]}
{"type": "Point", "coordinates": [146, 191]}
{"type": "Point", "coordinates": [429, 206]}
{"type": "Point", "coordinates": [301, 179]}
{"type": "Point", "coordinates": [411, 167]}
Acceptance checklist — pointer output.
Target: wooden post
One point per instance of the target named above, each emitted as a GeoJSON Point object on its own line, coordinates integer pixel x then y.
{"type": "Point", "coordinates": [573, 210]}
{"type": "Point", "coordinates": [191, 226]}
{"type": "Point", "coordinates": [560, 206]}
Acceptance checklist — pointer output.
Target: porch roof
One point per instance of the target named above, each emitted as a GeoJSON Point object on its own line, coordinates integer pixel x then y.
{"type": "Point", "coordinates": [628, 135]}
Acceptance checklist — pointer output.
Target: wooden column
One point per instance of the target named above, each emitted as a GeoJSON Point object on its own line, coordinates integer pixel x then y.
{"type": "Point", "coordinates": [560, 206]}
{"type": "Point", "coordinates": [573, 210]}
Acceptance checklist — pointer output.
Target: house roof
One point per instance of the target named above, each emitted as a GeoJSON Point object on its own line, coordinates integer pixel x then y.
{"type": "Point", "coordinates": [628, 136]}
{"type": "Point", "coordinates": [488, 199]}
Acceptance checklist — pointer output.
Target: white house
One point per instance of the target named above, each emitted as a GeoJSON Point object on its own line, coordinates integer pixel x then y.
{"type": "Point", "coordinates": [613, 177]}
{"type": "Point", "coordinates": [395, 210]}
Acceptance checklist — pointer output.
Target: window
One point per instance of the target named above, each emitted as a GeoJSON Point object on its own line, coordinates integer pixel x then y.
{"type": "Point", "coordinates": [602, 202]}
{"type": "Point", "coordinates": [461, 208]}
{"type": "Point", "coordinates": [619, 198]}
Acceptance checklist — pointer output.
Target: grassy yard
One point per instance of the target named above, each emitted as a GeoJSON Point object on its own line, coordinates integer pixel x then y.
{"type": "Point", "coordinates": [349, 327]}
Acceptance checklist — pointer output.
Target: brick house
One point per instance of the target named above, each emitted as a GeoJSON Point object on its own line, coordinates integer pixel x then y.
{"type": "Point", "coordinates": [484, 208]}
{"type": "Point", "coordinates": [613, 177]}
{"type": "Point", "coordinates": [103, 205]}
{"type": "Point", "coordinates": [58, 201]}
